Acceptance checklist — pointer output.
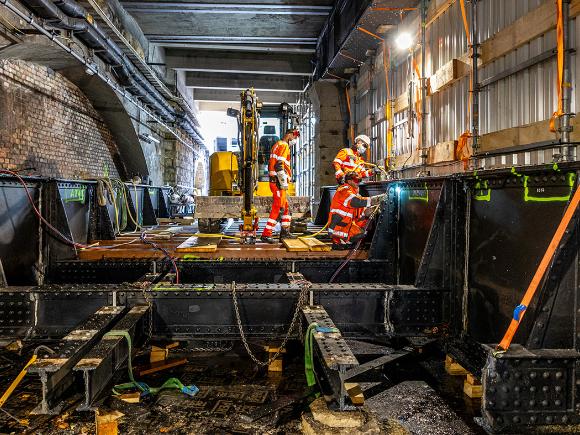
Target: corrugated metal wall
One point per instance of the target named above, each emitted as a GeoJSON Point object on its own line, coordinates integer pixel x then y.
{"type": "Point", "coordinates": [525, 97]}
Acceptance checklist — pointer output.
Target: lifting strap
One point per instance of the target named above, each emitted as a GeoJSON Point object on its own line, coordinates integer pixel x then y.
{"type": "Point", "coordinates": [388, 109]}
{"type": "Point", "coordinates": [520, 310]}
{"type": "Point", "coordinates": [560, 64]}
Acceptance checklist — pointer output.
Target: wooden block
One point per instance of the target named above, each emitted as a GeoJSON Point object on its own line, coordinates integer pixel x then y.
{"type": "Point", "coordinates": [316, 245]}
{"type": "Point", "coordinates": [130, 397]}
{"type": "Point", "coordinates": [161, 365]}
{"type": "Point", "coordinates": [276, 365]}
{"type": "Point", "coordinates": [106, 423]}
{"type": "Point", "coordinates": [295, 245]}
{"type": "Point", "coordinates": [473, 391]}
{"type": "Point", "coordinates": [453, 368]}
{"type": "Point", "coordinates": [158, 354]}
{"type": "Point", "coordinates": [355, 393]}
{"type": "Point", "coordinates": [472, 380]}
{"type": "Point", "coordinates": [199, 244]}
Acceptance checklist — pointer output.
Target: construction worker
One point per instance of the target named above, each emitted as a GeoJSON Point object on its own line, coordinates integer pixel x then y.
{"type": "Point", "coordinates": [349, 213]}
{"type": "Point", "coordinates": [350, 159]}
{"type": "Point", "coordinates": [280, 174]}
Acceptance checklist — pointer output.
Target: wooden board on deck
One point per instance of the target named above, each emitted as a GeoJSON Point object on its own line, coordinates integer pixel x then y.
{"type": "Point", "coordinates": [315, 245]}
{"type": "Point", "coordinates": [295, 245]}
{"type": "Point", "coordinates": [199, 244]}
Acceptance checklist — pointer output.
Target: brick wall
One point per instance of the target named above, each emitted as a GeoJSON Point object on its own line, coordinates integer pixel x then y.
{"type": "Point", "coordinates": [47, 123]}
{"type": "Point", "coordinates": [185, 167]}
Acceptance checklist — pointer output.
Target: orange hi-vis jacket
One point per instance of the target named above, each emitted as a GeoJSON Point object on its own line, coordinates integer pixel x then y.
{"type": "Point", "coordinates": [348, 160]}
{"type": "Point", "coordinates": [346, 211]}
{"type": "Point", "coordinates": [279, 159]}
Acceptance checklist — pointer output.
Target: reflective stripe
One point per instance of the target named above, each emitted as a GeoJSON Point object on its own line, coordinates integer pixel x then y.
{"type": "Point", "coordinates": [341, 212]}
{"type": "Point", "coordinates": [368, 201]}
{"type": "Point", "coordinates": [338, 233]}
{"type": "Point", "coordinates": [272, 221]}
{"type": "Point", "coordinates": [286, 218]}
{"type": "Point", "coordinates": [272, 173]}
{"type": "Point", "coordinates": [338, 161]}
{"type": "Point", "coordinates": [350, 165]}
{"type": "Point", "coordinates": [351, 196]}
{"type": "Point", "coordinates": [269, 227]}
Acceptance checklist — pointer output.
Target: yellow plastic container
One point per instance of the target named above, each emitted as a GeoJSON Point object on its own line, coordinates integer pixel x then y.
{"type": "Point", "coordinates": [223, 174]}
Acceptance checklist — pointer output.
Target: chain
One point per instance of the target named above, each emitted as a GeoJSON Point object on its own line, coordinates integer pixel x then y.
{"type": "Point", "coordinates": [305, 287]}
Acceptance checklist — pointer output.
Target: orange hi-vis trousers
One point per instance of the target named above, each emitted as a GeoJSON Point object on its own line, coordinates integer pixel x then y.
{"type": "Point", "coordinates": [280, 210]}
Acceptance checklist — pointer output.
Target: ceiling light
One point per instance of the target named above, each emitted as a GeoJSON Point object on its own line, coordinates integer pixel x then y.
{"type": "Point", "coordinates": [404, 40]}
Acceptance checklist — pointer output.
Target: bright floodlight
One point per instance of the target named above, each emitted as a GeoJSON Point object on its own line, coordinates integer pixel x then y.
{"type": "Point", "coordinates": [404, 41]}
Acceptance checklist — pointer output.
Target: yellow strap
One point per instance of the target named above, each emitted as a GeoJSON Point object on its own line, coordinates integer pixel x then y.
{"type": "Point", "coordinates": [16, 381]}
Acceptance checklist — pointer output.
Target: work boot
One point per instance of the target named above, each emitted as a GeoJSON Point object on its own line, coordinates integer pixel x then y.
{"type": "Point", "coordinates": [268, 239]}
{"type": "Point", "coordinates": [285, 234]}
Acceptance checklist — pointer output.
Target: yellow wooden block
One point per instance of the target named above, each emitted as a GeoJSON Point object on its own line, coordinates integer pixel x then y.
{"type": "Point", "coordinates": [472, 380]}
{"type": "Point", "coordinates": [106, 423]}
{"type": "Point", "coordinates": [276, 365]}
{"type": "Point", "coordinates": [473, 391]}
{"type": "Point", "coordinates": [295, 245]}
{"type": "Point", "coordinates": [316, 245]}
{"type": "Point", "coordinates": [453, 368]}
{"type": "Point", "coordinates": [355, 393]}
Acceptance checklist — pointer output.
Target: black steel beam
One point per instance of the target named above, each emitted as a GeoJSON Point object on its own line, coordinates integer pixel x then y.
{"type": "Point", "coordinates": [99, 365]}
{"type": "Point", "coordinates": [55, 371]}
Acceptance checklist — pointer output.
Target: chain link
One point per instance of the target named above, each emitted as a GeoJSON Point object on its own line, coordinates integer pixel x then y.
{"type": "Point", "coordinates": [305, 287]}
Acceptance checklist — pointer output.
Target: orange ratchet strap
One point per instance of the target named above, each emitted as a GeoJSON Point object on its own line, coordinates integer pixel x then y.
{"type": "Point", "coordinates": [520, 310]}
{"type": "Point", "coordinates": [560, 61]}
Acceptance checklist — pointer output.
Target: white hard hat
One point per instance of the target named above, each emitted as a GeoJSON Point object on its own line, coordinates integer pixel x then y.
{"type": "Point", "coordinates": [364, 138]}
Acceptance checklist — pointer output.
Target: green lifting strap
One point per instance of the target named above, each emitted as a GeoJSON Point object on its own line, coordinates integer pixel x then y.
{"type": "Point", "coordinates": [171, 383]}
{"type": "Point", "coordinates": [308, 350]}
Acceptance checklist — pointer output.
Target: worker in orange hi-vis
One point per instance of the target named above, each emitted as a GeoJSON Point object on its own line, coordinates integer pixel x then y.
{"type": "Point", "coordinates": [349, 213]}
{"type": "Point", "coordinates": [280, 174]}
{"type": "Point", "coordinates": [350, 159]}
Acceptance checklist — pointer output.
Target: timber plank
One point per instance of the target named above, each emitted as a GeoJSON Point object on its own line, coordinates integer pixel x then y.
{"type": "Point", "coordinates": [295, 245]}
{"type": "Point", "coordinates": [199, 244]}
{"type": "Point", "coordinates": [315, 244]}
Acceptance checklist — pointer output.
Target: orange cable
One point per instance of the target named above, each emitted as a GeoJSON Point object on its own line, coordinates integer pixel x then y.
{"type": "Point", "coordinates": [350, 128]}
{"type": "Point", "coordinates": [520, 310]}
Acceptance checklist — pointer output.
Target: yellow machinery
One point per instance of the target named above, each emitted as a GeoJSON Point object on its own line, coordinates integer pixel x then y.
{"type": "Point", "coordinates": [224, 175]}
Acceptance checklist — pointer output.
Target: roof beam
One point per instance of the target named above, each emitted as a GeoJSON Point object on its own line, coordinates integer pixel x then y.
{"type": "Point", "coordinates": [233, 96]}
{"type": "Point", "coordinates": [224, 8]}
{"type": "Point", "coordinates": [239, 63]}
{"type": "Point", "coordinates": [202, 80]}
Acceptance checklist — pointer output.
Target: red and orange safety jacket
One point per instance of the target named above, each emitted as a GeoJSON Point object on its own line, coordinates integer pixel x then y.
{"type": "Point", "coordinates": [348, 160]}
{"type": "Point", "coordinates": [346, 213]}
{"type": "Point", "coordinates": [279, 159]}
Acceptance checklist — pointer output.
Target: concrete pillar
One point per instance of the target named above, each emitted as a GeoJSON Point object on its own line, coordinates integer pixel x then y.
{"type": "Point", "coordinates": [330, 133]}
